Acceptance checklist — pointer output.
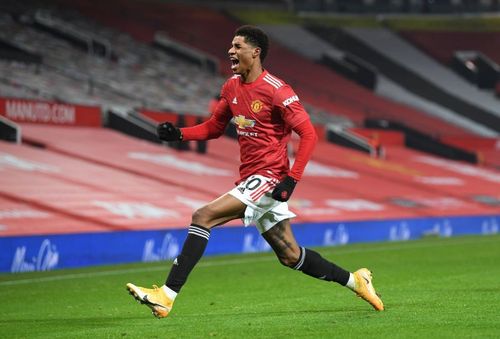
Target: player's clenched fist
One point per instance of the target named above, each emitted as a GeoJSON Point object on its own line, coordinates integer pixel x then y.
{"type": "Point", "coordinates": [284, 189]}
{"type": "Point", "coordinates": [168, 132]}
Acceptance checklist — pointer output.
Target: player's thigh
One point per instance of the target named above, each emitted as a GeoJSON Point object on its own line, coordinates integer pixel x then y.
{"type": "Point", "coordinates": [281, 239]}
{"type": "Point", "coordinates": [219, 211]}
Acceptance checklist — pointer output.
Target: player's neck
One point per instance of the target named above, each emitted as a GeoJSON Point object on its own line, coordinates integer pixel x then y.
{"type": "Point", "coordinates": [252, 74]}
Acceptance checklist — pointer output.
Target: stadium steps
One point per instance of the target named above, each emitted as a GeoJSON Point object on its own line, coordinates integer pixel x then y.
{"type": "Point", "coordinates": [400, 178]}
{"type": "Point", "coordinates": [108, 181]}
{"type": "Point", "coordinates": [132, 155]}
{"type": "Point", "coordinates": [411, 169]}
{"type": "Point", "coordinates": [419, 73]}
{"type": "Point", "coordinates": [441, 45]}
{"type": "Point", "coordinates": [22, 217]}
{"type": "Point", "coordinates": [391, 90]}
{"type": "Point", "coordinates": [96, 197]}
{"type": "Point", "coordinates": [104, 137]}
{"type": "Point", "coordinates": [488, 149]}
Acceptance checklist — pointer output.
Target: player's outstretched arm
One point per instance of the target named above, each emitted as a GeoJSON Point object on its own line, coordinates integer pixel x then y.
{"type": "Point", "coordinates": [213, 128]}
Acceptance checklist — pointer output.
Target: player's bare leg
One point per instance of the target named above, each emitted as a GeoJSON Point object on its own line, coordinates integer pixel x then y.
{"type": "Point", "coordinates": [283, 243]}
{"type": "Point", "coordinates": [219, 211]}
{"type": "Point", "coordinates": [160, 299]}
{"type": "Point", "coordinates": [281, 239]}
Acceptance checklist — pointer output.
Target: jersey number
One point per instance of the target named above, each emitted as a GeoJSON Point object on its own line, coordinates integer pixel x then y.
{"type": "Point", "coordinates": [251, 185]}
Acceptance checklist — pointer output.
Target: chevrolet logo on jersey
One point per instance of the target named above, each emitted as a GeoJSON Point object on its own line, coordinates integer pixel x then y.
{"type": "Point", "coordinates": [243, 122]}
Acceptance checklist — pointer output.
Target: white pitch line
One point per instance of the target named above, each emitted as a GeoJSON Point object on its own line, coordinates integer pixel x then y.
{"type": "Point", "coordinates": [337, 250]}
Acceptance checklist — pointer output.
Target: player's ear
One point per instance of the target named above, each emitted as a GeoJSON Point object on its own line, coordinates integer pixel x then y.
{"type": "Point", "coordinates": [256, 52]}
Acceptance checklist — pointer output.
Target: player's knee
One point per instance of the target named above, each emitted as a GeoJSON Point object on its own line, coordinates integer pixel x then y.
{"type": "Point", "coordinates": [202, 217]}
{"type": "Point", "coordinates": [288, 259]}
{"type": "Point", "coordinates": [199, 216]}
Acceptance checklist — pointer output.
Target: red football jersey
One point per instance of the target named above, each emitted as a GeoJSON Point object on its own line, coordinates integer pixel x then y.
{"type": "Point", "coordinates": [264, 113]}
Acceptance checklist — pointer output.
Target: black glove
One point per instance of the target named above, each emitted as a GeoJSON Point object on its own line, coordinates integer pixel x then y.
{"type": "Point", "coordinates": [168, 132]}
{"type": "Point", "coordinates": [284, 189]}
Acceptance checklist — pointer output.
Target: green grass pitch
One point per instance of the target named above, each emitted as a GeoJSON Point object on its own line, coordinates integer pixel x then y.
{"type": "Point", "coordinates": [432, 288]}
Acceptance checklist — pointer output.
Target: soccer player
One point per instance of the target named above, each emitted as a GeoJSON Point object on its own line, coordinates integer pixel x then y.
{"type": "Point", "coordinates": [265, 110]}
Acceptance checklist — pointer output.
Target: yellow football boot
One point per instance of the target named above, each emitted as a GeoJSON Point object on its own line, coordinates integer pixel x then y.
{"type": "Point", "coordinates": [159, 303]}
{"type": "Point", "coordinates": [364, 288]}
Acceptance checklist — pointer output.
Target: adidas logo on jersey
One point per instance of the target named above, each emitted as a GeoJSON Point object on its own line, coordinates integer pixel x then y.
{"type": "Point", "coordinates": [235, 101]}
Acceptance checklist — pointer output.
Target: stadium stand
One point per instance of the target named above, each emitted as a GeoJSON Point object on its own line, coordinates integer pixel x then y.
{"type": "Point", "coordinates": [329, 187]}
{"type": "Point", "coordinates": [462, 97]}
{"type": "Point", "coordinates": [316, 84]}
{"type": "Point", "coordinates": [93, 196]}
{"type": "Point", "coordinates": [390, 89]}
{"type": "Point", "coordinates": [442, 44]}
{"type": "Point", "coordinates": [138, 78]}
{"type": "Point", "coordinates": [302, 41]}
{"type": "Point", "coordinates": [488, 149]}
{"type": "Point", "coordinates": [406, 167]}
{"type": "Point", "coordinates": [138, 157]}
{"type": "Point", "coordinates": [18, 218]}
{"type": "Point", "coordinates": [14, 90]}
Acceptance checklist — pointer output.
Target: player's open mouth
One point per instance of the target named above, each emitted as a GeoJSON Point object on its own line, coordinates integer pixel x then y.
{"type": "Point", "coordinates": [234, 63]}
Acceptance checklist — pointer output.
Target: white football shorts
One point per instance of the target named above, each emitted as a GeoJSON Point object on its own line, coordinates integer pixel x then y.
{"type": "Point", "coordinates": [262, 210]}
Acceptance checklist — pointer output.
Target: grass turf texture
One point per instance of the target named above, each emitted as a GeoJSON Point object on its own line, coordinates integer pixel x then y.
{"type": "Point", "coordinates": [432, 288]}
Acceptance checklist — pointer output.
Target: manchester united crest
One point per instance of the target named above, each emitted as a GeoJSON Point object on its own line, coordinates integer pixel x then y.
{"type": "Point", "coordinates": [256, 106]}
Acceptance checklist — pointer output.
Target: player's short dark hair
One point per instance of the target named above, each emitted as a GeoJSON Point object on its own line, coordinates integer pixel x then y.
{"type": "Point", "coordinates": [256, 37]}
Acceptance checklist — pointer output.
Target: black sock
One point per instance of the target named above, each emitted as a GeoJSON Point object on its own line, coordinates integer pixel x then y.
{"type": "Point", "coordinates": [313, 264]}
{"type": "Point", "coordinates": [192, 251]}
